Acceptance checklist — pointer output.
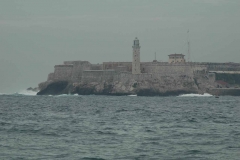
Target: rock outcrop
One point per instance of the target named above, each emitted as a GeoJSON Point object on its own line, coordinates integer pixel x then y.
{"type": "Point", "coordinates": [54, 88]}
{"type": "Point", "coordinates": [162, 87]}
{"type": "Point", "coordinates": [36, 89]}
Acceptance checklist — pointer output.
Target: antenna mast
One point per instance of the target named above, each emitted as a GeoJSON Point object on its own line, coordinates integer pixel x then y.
{"type": "Point", "coordinates": [155, 57]}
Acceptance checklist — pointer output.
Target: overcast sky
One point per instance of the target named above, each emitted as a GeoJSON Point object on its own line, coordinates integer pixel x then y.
{"type": "Point", "coordinates": [35, 35]}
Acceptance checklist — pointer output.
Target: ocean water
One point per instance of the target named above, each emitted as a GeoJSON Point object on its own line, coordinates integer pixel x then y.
{"type": "Point", "coordinates": [188, 127]}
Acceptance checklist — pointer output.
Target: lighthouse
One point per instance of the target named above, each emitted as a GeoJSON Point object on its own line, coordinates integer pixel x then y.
{"type": "Point", "coordinates": [136, 57]}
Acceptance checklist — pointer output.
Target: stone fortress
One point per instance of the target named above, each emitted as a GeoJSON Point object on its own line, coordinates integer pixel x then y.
{"type": "Point", "coordinates": [143, 78]}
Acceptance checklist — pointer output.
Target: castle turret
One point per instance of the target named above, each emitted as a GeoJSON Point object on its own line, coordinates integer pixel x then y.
{"type": "Point", "coordinates": [136, 57]}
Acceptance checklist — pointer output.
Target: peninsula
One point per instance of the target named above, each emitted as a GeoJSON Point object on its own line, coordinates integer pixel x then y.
{"type": "Point", "coordinates": [143, 78]}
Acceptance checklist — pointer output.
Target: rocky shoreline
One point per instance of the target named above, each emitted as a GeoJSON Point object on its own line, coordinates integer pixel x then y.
{"type": "Point", "coordinates": [114, 89]}
{"type": "Point", "coordinates": [64, 87]}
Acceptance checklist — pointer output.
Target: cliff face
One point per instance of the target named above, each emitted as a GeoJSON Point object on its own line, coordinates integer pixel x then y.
{"type": "Point", "coordinates": [165, 86]}
{"type": "Point", "coordinates": [54, 88]}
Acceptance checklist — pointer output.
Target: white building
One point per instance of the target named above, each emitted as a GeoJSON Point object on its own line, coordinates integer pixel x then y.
{"type": "Point", "coordinates": [176, 58]}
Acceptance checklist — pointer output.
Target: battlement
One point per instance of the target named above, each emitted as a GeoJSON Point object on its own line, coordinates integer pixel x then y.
{"type": "Point", "coordinates": [62, 72]}
{"type": "Point", "coordinates": [76, 62]}
{"type": "Point", "coordinates": [63, 65]}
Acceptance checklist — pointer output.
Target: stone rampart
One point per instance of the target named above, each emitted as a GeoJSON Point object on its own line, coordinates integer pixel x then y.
{"type": "Point", "coordinates": [121, 69]}
{"type": "Point", "coordinates": [78, 68]}
{"type": "Point", "coordinates": [219, 66]}
{"type": "Point", "coordinates": [115, 65]}
{"type": "Point", "coordinates": [96, 67]}
{"type": "Point", "coordinates": [76, 71]}
{"type": "Point", "coordinates": [126, 76]}
{"type": "Point", "coordinates": [63, 72]}
{"type": "Point", "coordinates": [50, 76]}
{"type": "Point", "coordinates": [152, 73]}
{"type": "Point", "coordinates": [98, 75]}
{"type": "Point", "coordinates": [168, 69]}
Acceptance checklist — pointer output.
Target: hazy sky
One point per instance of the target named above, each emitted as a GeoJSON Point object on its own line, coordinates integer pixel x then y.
{"type": "Point", "coordinates": [35, 35]}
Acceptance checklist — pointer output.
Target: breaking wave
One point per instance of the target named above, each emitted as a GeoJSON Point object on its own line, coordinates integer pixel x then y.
{"type": "Point", "coordinates": [65, 95]}
{"type": "Point", "coordinates": [132, 95]}
{"type": "Point", "coordinates": [27, 93]}
{"type": "Point", "coordinates": [22, 92]}
{"type": "Point", "coordinates": [196, 95]}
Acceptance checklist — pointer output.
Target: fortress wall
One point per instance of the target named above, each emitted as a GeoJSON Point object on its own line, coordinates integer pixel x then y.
{"type": "Point", "coordinates": [219, 66]}
{"type": "Point", "coordinates": [50, 76]}
{"type": "Point", "coordinates": [112, 76]}
{"type": "Point", "coordinates": [172, 69]}
{"type": "Point", "coordinates": [63, 72]}
{"type": "Point", "coordinates": [121, 69]}
{"type": "Point", "coordinates": [98, 75]}
{"type": "Point", "coordinates": [126, 76]}
{"type": "Point", "coordinates": [115, 65]}
{"type": "Point", "coordinates": [78, 68]}
{"type": "Point", "coordinates": [151, 77]}
{"type": "Point", "coordinates": [127, 65]}
{"type": "Point", "coordinates": [96, 67]}
{"type": "Point", "coordinates": [168, 69]}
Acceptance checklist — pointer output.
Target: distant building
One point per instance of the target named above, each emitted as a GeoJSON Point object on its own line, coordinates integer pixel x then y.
{"type": "Point", "coordinates": [176, 58]}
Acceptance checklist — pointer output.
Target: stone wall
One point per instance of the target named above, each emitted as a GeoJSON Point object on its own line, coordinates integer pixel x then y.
{"type": "Point", "coordinates": [78, 68]}
{"type": "Point", "coordinates": [174, 69]}
{"type": "Point", "coordinates": [127, 76]}
{"type": "Point", "coordinates": [73, 70]}
{"type": "Point", "coordinates": [198, 66]}
{"type": "Point", "coordinates": [115, 65]}
{"type": "Point", "coordinates": [63, 72]}
{"type": "Point", "coordinates": [121, 69]}
{"type": "Point", "coordinates": [98, 75]}
{"type": "Point", "coordinates": [219, 66]}
{"type": "Point", "coordinates": [152, 71]}
{"type": "Point", "coordinates": [50, 76]}
{"type": "Point", "coordinates": [96, 67]}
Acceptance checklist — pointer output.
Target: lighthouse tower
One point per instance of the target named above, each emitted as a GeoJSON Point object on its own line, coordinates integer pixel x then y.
{"type": "Point", "coordinates": [136, 57]}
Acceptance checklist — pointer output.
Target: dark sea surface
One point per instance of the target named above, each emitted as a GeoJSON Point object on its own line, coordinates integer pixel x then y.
{"type": "Point", "coordinates": [124, 127]}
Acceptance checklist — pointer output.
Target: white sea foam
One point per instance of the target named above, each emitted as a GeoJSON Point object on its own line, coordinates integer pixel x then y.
{"type": "Point", "coordinates": [133, 95]}
{"type": "Point", "coordinates": [196, 95]}
{"type": "Point", "coordinates": [63, 95]}
{"type": "Point", "coordinates": [27, 93]}
{"type": "Point", "coordinates": [66, 95]}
